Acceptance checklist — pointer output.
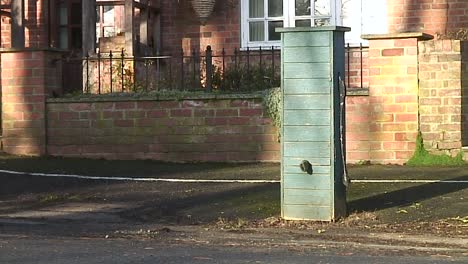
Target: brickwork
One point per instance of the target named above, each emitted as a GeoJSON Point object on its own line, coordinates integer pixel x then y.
{"type": "Point", "coordinates": [431, 16]}
{"type": "Point", "coordinates": [227, 130]}
{"type": "Point", "coordinates": [358, 135]}
{"type": "Point", "coordinates": [24, 78]}
{"type": "Point", "coordinates": [393, 99]}
{"type": "Point", "coordinates": [35, 23]}
{"type": "Point", "coordinates": [442, 94]}
{"type": "Point", "coordinates": [190, 130]}
{"type": "Point", "coordinates": [5, 31]}
{"type": "Point", "coordinates": [357, 67]}
{"type": "Point", "coordinates": [181, 28]}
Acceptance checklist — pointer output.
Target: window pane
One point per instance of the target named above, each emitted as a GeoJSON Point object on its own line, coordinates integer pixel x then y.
{"type": "Point", "coordinates": [63, 38]}
{"type": "Point", "coordinates": [256, 8]}
{"type": "Point", "coordinates": [63, 15]}
{"type": "Point", "coordinates": [109, 31]}
{"type": "Point", "coordinates": [108, 15]}
{"type": "Point", "coordinates": [275, 8]}
{"type": "Point", "coordinates": [257, 31]}
{"type": "Point", "coordinates": [302, 7]}
{"type": "Point", "coordinates": [272, 35]}
{"type": "Point", "coordinates": [76, 14]}
{"type": "Point", "coordinates": [302, 23]}
{"type": "Point", "coordinates": [76, 38]}
{"type": "Point", "coordinates": [322, 22]}
{"type": "Point", "coordinates": [322, 7]}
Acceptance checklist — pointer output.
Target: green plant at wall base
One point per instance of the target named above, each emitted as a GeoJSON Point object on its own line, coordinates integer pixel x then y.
{"type": "Point", "coordinates": [272, 105]}
{"type": "Point", "coordinates": [422, 157]}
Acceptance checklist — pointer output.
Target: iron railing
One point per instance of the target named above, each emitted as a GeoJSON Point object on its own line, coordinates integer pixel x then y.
{"type": "Point", "coordinates": [241, 70]}
{"type": "Point", "coordinates": [357, 67]}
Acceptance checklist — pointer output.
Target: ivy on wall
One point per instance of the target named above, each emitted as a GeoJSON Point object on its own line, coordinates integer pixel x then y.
{"type": "Point", "coordinates": [272, 105]}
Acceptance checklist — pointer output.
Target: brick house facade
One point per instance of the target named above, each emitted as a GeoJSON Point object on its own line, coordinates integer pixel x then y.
{"type": "Point", "coordinates": [414, 83]}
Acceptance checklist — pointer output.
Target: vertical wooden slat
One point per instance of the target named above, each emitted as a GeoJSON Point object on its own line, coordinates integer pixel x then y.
{"type": "Point", "coordinates": [311, 61]}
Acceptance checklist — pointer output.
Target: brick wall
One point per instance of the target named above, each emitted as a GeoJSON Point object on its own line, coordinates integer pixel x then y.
{"type": "Point", "coordinates": [24, 78]}
{"type": "Point", "coordinates": [430, 16]}
{"type": "Point", "coordinates": [35, 22]}
{"type": "Point", "coordinates": [357, 67]}
{"type": "Point", "coordinates": [181, 28]}
{"type": "Point", "coordinates": [5, 31]}
{"type": "Point", "coordinates": [443, 94]}
{"type": "Point", "coordinates": [189, 130]}
{"type": "Point", "coordinates": [229, 130]}
{"type": "Point", "coordinates": [358, 122]}
{"type": "Point", "coordinates": [393, 98]}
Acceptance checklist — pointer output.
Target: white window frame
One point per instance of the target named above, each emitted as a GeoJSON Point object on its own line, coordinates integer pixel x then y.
{"type": "Point", "coordinates": [289, 17]}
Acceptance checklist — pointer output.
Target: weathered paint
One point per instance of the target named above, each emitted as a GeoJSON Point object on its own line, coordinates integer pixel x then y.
{"type": "Point", "coordinates": [307, 86]}
{"type": "Point", "coordinates": [306, 117]}
{"type": "Point", "coordinates": [304, 212]}
{"type": "Point", "coordinates": [312, 60]}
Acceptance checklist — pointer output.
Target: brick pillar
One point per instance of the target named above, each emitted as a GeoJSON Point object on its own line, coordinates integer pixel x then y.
{"type": "Point", "coordinates": [442, 67]}
{"type": "Point", "coordinates": [27, 76]}
{"type": "Point", "coordinates": [393, 96]}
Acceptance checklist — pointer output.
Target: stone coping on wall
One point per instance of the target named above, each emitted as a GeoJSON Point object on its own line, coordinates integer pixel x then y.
{"type": "Point", "coordinates": [404, 35]}
{"type": "Point", "coordinates": [357, 92]}
{"type": "Point", "coordinates": [15, 50]}
{"type": "Point", "coordinates": [179, 96]}
{"type": "Point", "coordinates": [157, 97]}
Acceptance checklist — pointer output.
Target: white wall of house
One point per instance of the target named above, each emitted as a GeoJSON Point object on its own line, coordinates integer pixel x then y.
{"type": "Point", "coordinates": [364, 17]}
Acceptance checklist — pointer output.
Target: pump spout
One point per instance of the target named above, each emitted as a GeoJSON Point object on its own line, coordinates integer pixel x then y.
{"type": "Point", "coordinates": [306, 167]}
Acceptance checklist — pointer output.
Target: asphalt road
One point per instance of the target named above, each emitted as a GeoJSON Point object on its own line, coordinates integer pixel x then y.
{"type": "Point", "coordinates": [39, 250]}
{"type": "Point", "coordinates": [55, 220]}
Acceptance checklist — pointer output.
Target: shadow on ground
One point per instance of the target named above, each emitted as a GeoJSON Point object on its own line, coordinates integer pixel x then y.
{"type": "Point", "coordinates": [406, 196]}
{"type": "Point", "coordinates": [205, 203]}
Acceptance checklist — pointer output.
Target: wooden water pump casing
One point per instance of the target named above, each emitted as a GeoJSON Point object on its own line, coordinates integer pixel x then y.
{"type": "Point", "coordinates": [312, 165]}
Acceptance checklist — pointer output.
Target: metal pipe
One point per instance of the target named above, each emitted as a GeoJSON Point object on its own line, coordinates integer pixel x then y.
{"type": "Point", "coordinates": [110, 70]}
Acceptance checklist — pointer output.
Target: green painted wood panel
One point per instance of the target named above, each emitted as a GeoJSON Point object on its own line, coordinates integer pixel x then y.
{"type": "Point", "coordinates": [298, 181]}
{"type": "Point", "coordinates": [312, 59]}
{"type": "Point", "coordinates": [301, 212]}
{"type": "Point", "coordinates": [311, 149]}
{"type": "Point", "coordinates": [306, 196]}
{"type": "Point", "coordinates": [294, 102]}
{"type": "Point", "coordinates": [322, 161]}
{"type": "Point", "coordinates": [317, 168]}
{"type": "Point", "coordinates": [306, 133]}
{"type": "Point", "coordinates": [307, 86]}
{"type": "Point", "coordinates": [302, 54]}
{"type": "Point", "coordinates": [307, 117]}
{"type": "Point", "coordinates": [306, 70]}
{"type": "Point", "coordinates": [305, 39]}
